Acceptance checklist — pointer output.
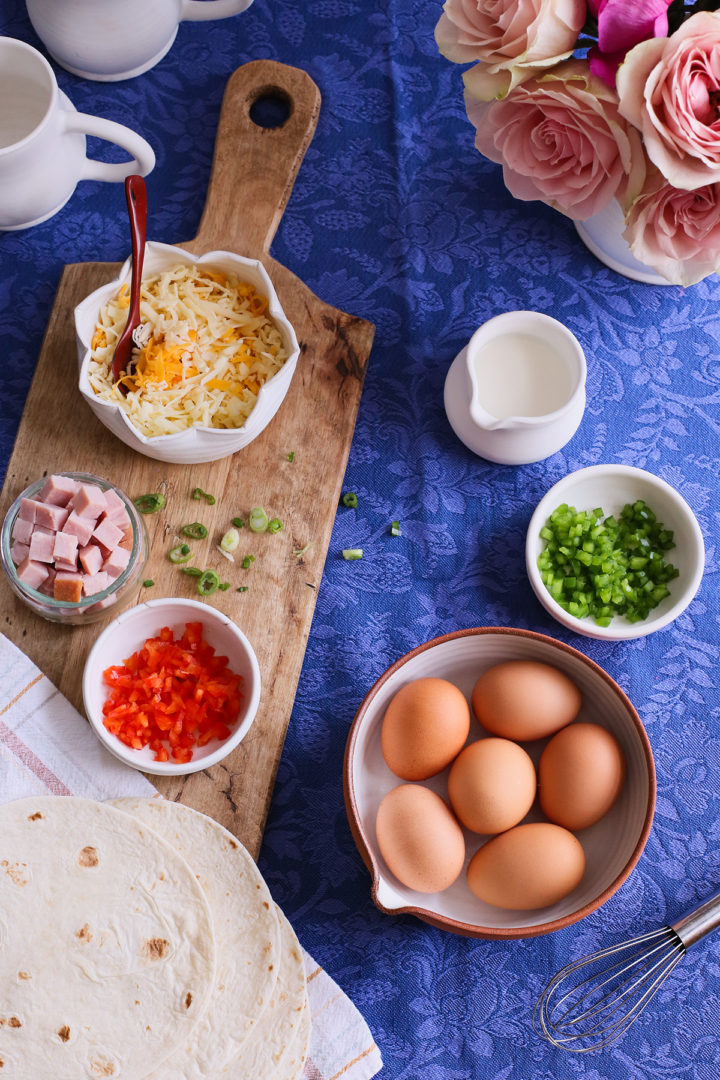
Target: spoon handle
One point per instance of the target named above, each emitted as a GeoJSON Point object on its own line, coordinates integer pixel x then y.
{"type": "Point", "coordinates": [136, 196]}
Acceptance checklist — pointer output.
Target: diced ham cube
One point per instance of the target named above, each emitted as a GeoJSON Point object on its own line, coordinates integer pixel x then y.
{"type": "Point", "coordinates": [127, 540]}
{"type": "Point", "coordinates": [47, 585]}
{"type": "Point", "coordinates": [113, 501]}
{"type": "Point", "coordinates": [119, 516]}
{"type": "Point", "coordinates": [60, 564]}
{"type": "Point", "coordinates": [22, 530]}
{"type": "Point", "coordinates": [58, 490]}
{"type": "Point", "coordinates": [107, 535]}
{"type": "Point", "coordinates": [27, 509]}
{"type": "Point", "coordinates": [65, 548]}
{"type": "Point", "coordinates": [41, 546]}
{"type": "Point", "coordinates": [89, 501]}
{"type": "Point", "coordinates": [90, 558]}
{"type": "Point", "coordinates": [67, 587]}
{"type": "Point", "coordinates": [116, 562]}
{"type": "Point", "coordinates": [95, 583]}
{"type": "Point", "coordinates": [82, 527]}
{"type": "Point", "coordinates": [32, 573]}
{"type": "Point", "coordinates": [19, 552]}
{"type": "Point", "coordinates": [49, 516]}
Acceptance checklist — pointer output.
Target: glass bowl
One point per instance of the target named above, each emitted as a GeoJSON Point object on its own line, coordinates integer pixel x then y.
{"type": "Point", "coordinates": [89, 608]}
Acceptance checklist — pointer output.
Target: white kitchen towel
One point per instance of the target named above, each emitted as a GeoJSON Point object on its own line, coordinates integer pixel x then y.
{"type": "Point", "coordinates": [47, 748]}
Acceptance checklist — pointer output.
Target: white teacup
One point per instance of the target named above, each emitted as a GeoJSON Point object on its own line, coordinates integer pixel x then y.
{"type": "Point", "coordinates": [42, 140]}
{"type": "Point", "coordinates": [109, 40]}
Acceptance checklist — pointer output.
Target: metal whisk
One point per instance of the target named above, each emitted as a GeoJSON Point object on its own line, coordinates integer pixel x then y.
{"type": "Point", "coordinates": [592, 1001]}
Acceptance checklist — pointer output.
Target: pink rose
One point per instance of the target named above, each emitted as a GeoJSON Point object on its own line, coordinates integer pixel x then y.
{"type": "Point", "coordinates": [622, 24]}
{"type": "Point", "coordinates": [669, 88]}
{"type": "Point", "coordinates": [512, 39]}
{"type": "Point", "coordinates": [560, 138]}
{"type": "Point", "coordinates": [677, 232]}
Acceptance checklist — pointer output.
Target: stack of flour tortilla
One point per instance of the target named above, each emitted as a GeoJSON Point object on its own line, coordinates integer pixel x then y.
{"type": "Point", "coordinates": [138, 940]}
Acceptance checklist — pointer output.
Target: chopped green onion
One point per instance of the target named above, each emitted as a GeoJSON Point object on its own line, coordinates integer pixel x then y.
{"type": "Point", "coordinates": [148, 583]}
{"type": "Point", "coordinates": [243, 588]}
{"type": "Point", "coordinates": [225, 585]}
{"type": "Point", "coordinates": [193, 571]}
{"type": "Point", "coordinates": [247, 560]}
{"type": "Point", "coordinates": [149, 504]}
{"type": "Point", "coordinates": [230, 541]}
{"type": "Point", "coordinates": [299, 552]}
{"type": "Point", "coordinates": [395, 528]}
{"type": "Point", "coordinates": [350, 499]}
{"type": "Point", "coordinates": [351, 554]}
{"type": "Point", "coordinates": [180, 554]}
{"type": "Point", "coordinates": [238, 523]}
{"type": "Point", "coordinates": [198, 493]}
{"type": "Point", "coordinates": [208, 582]}
{"type": "Point", "coordinates": [195, 531]}
{"type": "Point", "coordinates": [291, 455]}
{"type": "Point", "coordinates": [275, 525]}
{"type": "Point", "coordinates": [258, 520]}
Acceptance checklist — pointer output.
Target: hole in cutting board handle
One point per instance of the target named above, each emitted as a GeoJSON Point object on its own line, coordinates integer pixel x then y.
{"type": "Point", "coordinates": [271, 108]}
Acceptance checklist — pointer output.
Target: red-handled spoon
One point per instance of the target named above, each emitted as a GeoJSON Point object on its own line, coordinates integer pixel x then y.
{"type": "Point", "coordinates": [136, 196]}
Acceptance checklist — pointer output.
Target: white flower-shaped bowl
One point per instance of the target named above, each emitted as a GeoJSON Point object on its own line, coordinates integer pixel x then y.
{"type": "Point", "coordinates": [196, 444]}
{"type": "Point", "coordinates": [611, 487]}
{"type": "Point", "coordinates": [128, 633]}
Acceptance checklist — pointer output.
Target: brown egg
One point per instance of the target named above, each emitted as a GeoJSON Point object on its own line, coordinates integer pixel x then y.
{"type": "Point", "coordinates": [419, 838]}
{"type": "Point", "coordinates": [525, 700]}
{"type": "Point", "coordinates": [581, 774]}
{"type": "Point", "coordinates": [528, 867]}
{"type": "Point", "coordinates": [424, 728]}
{"type": "Point", "coordinates": [492, 785]}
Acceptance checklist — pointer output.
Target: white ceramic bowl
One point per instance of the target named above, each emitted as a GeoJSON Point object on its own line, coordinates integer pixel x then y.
{"type": "Point", "coordinates": [612, 846]}
{"type": "Point", "coordinates": [128, 633]}
{"type": "Point", "coordinates": [611, 487]}
{"type": "Point", "coordinates": [197, 444]}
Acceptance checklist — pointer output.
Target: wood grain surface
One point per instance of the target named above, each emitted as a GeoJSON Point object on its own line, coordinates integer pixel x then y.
{"type": "Point", "coordinates": [252, 176]}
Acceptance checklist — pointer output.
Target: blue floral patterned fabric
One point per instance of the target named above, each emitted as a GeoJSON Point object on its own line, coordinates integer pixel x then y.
{"type": "Point", "coordinates": [396, 218]}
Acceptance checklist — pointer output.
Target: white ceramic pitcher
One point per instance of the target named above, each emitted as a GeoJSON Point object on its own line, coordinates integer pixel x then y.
{"type": "Point", "coordinates": [109, 40]}
{"type": "Point", "coordinates": [42, 140]}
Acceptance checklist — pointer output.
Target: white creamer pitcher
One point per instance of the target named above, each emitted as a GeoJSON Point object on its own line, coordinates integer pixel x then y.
{"type": "Point", "coordinates": [109, 40]}
{"type": "Point", "coordinates": [42, 140]}
{"type": "Point", "coordinates": [516, 393]}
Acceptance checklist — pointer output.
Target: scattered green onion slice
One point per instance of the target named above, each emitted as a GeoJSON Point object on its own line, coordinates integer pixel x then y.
{"type": "Point", "coordinates": [258, 520]}
{"type": "Point", "coordinates": [148, 583]}
{"type": "Point", "coordinates": [151, 503]}
{"type": "Point", "coordinates": [195, 531]}
{"type": "Point", "coordinates": [350, 499]}
{"type": "Point", "coordinates": [299, 552]}
{"type": "Point", "coordinates": [230, 541]}
{"type": "Point", "coordinates": [599, 567]}
{"type": "Point", "coordinates": [238, 523]}
{"type": "Point", "coordinates": [180, 554]}
{"type": "Point", "coordinates": [225, 585]}
{"type": "Point", "coordinates": [208, 582]}
{"type": "Point", "coordinates": [351, 554]}
{"type": "Point", "coordinates": [247, 560]}
{"type": "Point", "coordinates": [243, 588]}
{"type": "Point", "coordinates": [275, 525]}
{"type": "Point", "coordinates": [198, 493]}
{"type": "Point", "coordinates": [291, 455]}
{"type": "Point", "coordinates": [193, 571]}
{"type": "Point", "coordinates": [395, 528]}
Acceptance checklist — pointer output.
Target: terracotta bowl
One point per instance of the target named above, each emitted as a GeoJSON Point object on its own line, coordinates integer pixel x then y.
{"type": "Point", "coordinates": [612, 846]}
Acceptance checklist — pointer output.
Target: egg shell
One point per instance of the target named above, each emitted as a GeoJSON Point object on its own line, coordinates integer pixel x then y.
{"type": "Point", "coordinates": [525, 700]}
{"type": "Point", "coordinates": [492, 785]}
{"type": "Point", "coordinates": [528, 867]}
{"type": "Point", "coordinates": [419, 838]}
{"type": "Point", "coordinates": [581, 772]}
{"type": "Point", "coordinates": [425, 726]}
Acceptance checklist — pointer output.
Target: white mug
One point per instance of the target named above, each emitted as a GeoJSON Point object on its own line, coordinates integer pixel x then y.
{"type": "Point", "coordinates": [42, 141]}
{"type": "Point", "coordinates": [109, 40]}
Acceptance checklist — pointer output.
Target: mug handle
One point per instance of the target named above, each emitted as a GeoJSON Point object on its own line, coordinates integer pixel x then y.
{"type": "Point", "coordinates": [143, 157]}
{"type": "Point", "coordinates": [196, 10]}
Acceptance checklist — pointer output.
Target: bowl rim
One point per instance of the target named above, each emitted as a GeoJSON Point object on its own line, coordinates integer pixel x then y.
{"type": "Point", "coordinates": [585, 626]}
{"type": "Point", "coordinates": [95, 300]}
{"type": "Point", "coordinates": [474, 929]}
{"type": "Point", "coordinates": [67, 607]}
{"type": "Point", "coordinates": [166, 768]}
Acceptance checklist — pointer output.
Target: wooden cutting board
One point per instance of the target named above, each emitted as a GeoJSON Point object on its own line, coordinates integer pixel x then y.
{"type": "Point", "coordinates": [253, 172]}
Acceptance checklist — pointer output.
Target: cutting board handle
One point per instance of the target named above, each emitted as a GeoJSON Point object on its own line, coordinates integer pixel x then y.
{"type": "Point", "coordinates": [254, 168]}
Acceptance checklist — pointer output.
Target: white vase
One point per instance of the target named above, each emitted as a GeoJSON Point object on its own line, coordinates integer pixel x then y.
{"type": "Point", "coordinates": [603, 235]}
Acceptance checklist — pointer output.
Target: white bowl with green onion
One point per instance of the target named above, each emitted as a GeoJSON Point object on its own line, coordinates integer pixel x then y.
{"type": "Point", "coordinates": [614, 552]}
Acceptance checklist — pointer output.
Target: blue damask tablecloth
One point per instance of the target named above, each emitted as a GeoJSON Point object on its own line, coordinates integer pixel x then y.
{"type": "Point", "coordinates": [396, 218]}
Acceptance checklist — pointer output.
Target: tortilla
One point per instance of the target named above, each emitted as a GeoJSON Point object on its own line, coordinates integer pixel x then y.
{"type": "Point", "coordinates": [247, 936]}
{"type": "Point", "coordinates": [106, 943]}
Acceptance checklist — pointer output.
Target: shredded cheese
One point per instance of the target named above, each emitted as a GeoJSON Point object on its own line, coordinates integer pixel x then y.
{"type": "Point", "coordinates": [209, 346]}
